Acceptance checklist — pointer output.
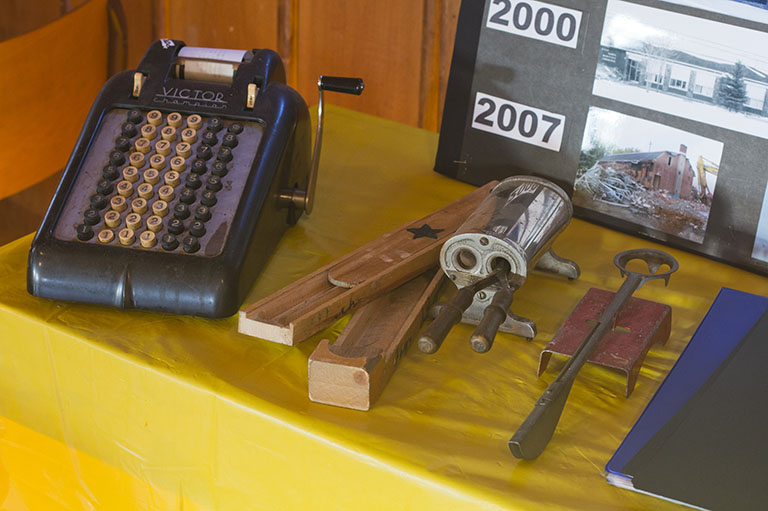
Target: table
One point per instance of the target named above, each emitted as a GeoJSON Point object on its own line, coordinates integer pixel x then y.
{"type": "Point", "coordinates": [109, 409]}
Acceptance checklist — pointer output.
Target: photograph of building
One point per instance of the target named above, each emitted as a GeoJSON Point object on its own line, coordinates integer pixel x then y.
{"type": "Point", "coordinates": [760, 248]}
{"type": "Point", "coordinates": [660, 170]}
{"type": "Point", "coordinates": [648, 174]}
{"type": "Point", "coordinates": [690, 67]}
{"type": "Point", "coordinates": [754, 10]}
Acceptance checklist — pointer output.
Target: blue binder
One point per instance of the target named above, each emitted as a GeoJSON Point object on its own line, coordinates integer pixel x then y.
{"type": "Point", "coordinates": [728, 321]}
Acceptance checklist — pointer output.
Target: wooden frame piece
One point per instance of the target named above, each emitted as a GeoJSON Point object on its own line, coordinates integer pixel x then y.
{"type": "Point", "coordinates": [301, 309]}
{"type": "Point", "coordinates": [353, 371]}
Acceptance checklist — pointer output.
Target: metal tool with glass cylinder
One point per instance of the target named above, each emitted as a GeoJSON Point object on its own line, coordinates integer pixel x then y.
{"type": "Point", "coordinates": [490, 256]}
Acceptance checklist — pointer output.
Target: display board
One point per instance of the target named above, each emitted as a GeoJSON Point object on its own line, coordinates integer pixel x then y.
{"type": "Point", "coordinates": [654, 115]}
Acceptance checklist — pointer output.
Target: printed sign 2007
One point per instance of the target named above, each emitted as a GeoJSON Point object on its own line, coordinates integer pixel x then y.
{"type": "Point", "coordinates": [518, 122]}
{"type": "Point", "coordinates": [536, 20]}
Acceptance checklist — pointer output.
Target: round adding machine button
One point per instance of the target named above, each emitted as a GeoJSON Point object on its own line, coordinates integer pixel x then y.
{"type": "Point", "coordinates": [169, 242]}
{"type": "Point", "coordinates": [84, 232]}
{"type": "Point", "coordinates": [187, 196]}
{"type": "Point", "coordinates": [175, 226]}
{"type": "Point", "coordinates": [91, 216]}
{"type": "Point", "coordinates": [195, 121]}
{"type": "Point", "coordinates": [126, 236]}
{"type": "Point", "coordinates": [143, 145]}
{"type": "Point", "coordinates": [116, 157]}
{"type": "Point", "coordinates": [135, 116]}
{"type": "Point", "coordinates": [112, 218]}
{"type": "Point", "coordinates": [155, 118]}
{"type": "Point", "coordinates": [148, 131]}
{"type": "Point", "coordinates": [147, 239]}
{"type": "Point", "coordinates": [191, 244]}
{"type": "Point", "coordinates": [110, 172]}
{"type": "Point", "coordinates": [197, 228]}
{"type": "Point", "coordinates": [128, 129]}
{"type": "Point", "coordinates": [203, 213]}
{"type": "Point", "coordinates": [139, 205]}
{"type": "Point", "coordinates": [181, 211]}
{"type": "Point", "coordinates": [160, 208]}
{"type": "Point", "coordinates": [118, 203]}
{"type": "Point", "coordinates": [145, 191]}
{"type": "Point", "coordinates": [133, 221]}
{"type": "Point", "coordinates": [157, 161]}
{"type": "Point", "coordinates": [183, 149]}
{"type": "Point", "coordinates": [106, 236]}
{"type": "Point", "coordinates": [131, 174]}
{"type": "Point", "coordinates": [155, 223]}
{"type": "Point", "coordinates": [168, 133]}
{"type": "Point", "coordinates": [175, 119]}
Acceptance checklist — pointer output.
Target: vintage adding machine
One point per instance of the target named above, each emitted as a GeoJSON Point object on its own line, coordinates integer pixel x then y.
{"type": "Point", "coordinates": [186, 174]}
{"type": "Point", "coordinates": [490, 256]}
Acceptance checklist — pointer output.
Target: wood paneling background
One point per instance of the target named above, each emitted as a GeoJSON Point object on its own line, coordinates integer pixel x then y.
{"type": "Point", "coordinates": [401, 48]}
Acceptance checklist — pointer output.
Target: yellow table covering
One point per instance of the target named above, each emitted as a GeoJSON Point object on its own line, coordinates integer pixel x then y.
{"type": "Point", "coordinates": [109, 409]}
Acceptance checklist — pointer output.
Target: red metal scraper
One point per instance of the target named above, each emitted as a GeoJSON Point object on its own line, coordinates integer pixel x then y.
{"type": "Point", "coordinates": [641, 324]}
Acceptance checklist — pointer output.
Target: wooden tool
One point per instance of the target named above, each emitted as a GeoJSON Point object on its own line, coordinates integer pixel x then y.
{"type": "Point", "coordinates": [354, 370]}
{"type": "Point", "coordinates": [310, 304]}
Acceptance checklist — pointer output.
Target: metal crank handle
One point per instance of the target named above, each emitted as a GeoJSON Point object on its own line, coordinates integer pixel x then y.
{"type": "Point", "coordinates": [304, 199]}
{"type": "Point", "coordinates": [450, 314]}
{"type": "Point", "coordinates": [493, 316]}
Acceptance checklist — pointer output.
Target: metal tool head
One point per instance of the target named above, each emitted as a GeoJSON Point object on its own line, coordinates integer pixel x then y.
{"type": "Point", "coordinates": [655, 259]}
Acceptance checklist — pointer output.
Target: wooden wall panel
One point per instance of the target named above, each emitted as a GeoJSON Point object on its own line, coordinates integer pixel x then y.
{"type": "Point", "coordinates": [402, 48]}
{"type": "Point", "coordinates": [21, 16]}
{"type": "Point", "coordinates": [378, 41]}
{"type": "Point", "coordinates": [140, 30]}
{"type": "Point", "coordinates": [221, 24]}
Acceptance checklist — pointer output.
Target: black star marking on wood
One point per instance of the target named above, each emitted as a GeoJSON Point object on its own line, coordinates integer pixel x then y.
{"type": "Point", "coordinates": [425, 231]}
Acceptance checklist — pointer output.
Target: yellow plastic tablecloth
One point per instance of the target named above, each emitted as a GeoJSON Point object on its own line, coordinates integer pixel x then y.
{"type": "Point", "coordinates": [108, 409]}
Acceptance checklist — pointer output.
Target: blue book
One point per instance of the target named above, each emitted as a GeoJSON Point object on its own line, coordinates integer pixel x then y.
{"type": "Point", "coordinates": [727, 322]}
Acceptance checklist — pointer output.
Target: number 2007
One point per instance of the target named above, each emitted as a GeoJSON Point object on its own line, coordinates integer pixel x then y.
{"type": "Point", "coordinates": [536, 20]}
{"type": "Point", "coordinates": [518, 122]}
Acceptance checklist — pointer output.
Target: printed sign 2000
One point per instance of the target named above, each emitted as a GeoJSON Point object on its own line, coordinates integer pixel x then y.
{"type": "Point", "coordinates": [518, 122]}
{"type": "Point", "coordinates": [536, 20]}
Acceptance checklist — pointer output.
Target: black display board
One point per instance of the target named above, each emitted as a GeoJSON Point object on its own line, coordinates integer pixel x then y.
{"type": "Point", "coordinates": [653, 115]}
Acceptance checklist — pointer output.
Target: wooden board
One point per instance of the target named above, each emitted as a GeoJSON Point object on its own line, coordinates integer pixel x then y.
{"type": "Point", "coordinates": [353, 371]}
{"type": "Point", "coordinates": [310, 304]}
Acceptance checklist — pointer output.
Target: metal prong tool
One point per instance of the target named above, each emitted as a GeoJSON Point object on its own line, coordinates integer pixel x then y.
{"type": "Point", "coordinates": [496, 312]}
{"type": "Point", "coordinates": [530, 440]}
{"type": "Point", "coordinates": [450, 313]}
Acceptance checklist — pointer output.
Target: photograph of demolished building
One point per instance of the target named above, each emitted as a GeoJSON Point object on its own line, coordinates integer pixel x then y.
{"type": "Point", "coordinates": [681, 65]}
{"type": "Point", "coordinates": [653, 176]}
{"type": "Point", "coordinates": [760, 248]}
{"type": "Point", "coordinates": [754, 10]}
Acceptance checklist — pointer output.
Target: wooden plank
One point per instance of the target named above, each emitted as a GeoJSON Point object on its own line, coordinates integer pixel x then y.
{"type": "Point", "coordinates": [353, 372]}
{"type": "Point", "coordinates": [310, 304]}
{"type": "Point", "coordinates": [378, 41]}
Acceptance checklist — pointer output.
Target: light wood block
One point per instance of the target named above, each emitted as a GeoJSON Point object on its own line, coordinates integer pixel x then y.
{"type": "Point", "coordinates": [353, 372]}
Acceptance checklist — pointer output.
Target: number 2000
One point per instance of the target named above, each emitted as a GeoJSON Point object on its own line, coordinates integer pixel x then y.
{"type": "Point", "coordinates": [536, 20]}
